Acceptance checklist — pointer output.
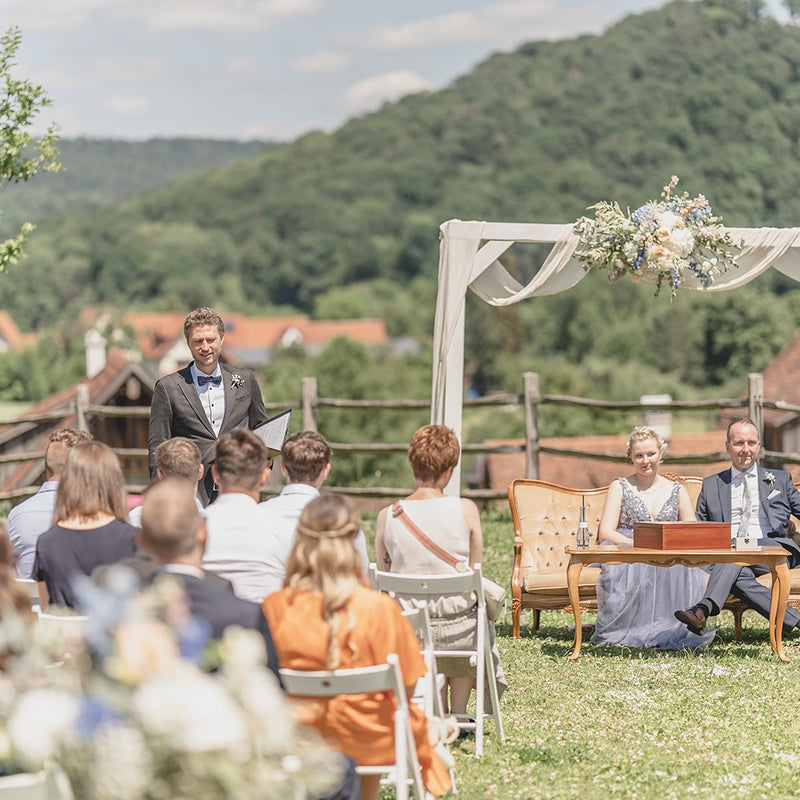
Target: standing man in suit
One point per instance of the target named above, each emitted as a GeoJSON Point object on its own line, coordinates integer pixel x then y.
{"type": "Point", "coordinates": [204, 399]}
{"type": "Point", "coordinates": [758, 503]}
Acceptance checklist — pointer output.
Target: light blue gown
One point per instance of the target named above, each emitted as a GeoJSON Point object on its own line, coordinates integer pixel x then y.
{"type": "Point", "coordinates": [636, 602]}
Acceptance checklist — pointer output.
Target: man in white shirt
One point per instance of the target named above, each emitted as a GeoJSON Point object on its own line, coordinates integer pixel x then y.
{"type": "Point", "coordinates": [306, 463]}
{"type": "Point", "coordinates": [239, 546]}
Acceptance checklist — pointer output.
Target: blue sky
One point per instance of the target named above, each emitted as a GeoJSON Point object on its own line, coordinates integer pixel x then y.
{"type": "Point", "coordinates": [267, 69]}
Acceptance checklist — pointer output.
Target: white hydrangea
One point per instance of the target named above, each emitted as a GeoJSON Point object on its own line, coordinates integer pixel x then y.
{"type": "Point", "coordinates": [681, 242]}
{"type": "Point", "coordinates": [193, 710]}
{"type": "Point", "coordinates": [40, 721]}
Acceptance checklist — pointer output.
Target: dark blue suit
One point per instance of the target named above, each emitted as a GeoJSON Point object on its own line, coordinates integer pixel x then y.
{"type": "Point", "coordinates": [778, 500]}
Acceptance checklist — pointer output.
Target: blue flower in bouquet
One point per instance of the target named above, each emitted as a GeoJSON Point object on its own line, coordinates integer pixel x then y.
{"type": "Point", "coordinates": [662, 241]}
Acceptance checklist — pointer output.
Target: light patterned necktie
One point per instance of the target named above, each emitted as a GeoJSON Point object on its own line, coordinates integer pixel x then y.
{"type": "Point", "coordinates": [744, 522]}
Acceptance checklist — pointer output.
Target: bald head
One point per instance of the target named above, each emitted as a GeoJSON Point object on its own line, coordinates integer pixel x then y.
{"type": "Point", "coordinates": [172, 528]}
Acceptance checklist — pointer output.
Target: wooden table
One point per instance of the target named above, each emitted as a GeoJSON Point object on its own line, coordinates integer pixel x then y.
{"type": "Point", "coordinates": [772, 556]}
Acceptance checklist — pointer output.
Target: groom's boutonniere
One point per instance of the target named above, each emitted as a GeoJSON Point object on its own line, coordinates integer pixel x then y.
{"type": "Point", "coordinates": [237, 380]}
{"type": "Point", "coordinates": [769, 478]}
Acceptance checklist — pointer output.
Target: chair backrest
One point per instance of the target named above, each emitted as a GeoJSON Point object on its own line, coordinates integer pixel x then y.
{"type": "Point", "coordinates": [30, 586]}
{"type": "Point", "coordinates": [692, 484]}
{"type": "Point", "coordinates": [36, 786]}
{"type": "Point", "coordinates": [546, 516]}
{"type": "Point", "coordinates": [329, 683]}
{"type": "Point", "coordinates": [426, 585]}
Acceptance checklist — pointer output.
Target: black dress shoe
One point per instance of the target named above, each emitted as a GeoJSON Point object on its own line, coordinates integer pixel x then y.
{"type": "Point", "coordinates": [693, 618]}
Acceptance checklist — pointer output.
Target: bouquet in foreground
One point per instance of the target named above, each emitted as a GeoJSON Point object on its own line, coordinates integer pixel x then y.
{"type": "Point", "coordinates": [134, 712]}
{"type": "Point", "coordinates": [662, 241]}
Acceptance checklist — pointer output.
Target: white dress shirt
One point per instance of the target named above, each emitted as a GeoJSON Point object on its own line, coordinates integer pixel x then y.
{"type": "Point", "coordinates": [758, 520]}
{"type": "Point", "coordinates": [212, 398]}
{"type": "Point", "coordinates": [241, 548]}
{"type": "Point", "coordinates": [282, 513]}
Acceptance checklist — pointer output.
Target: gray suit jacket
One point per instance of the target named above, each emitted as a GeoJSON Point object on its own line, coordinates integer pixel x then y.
{"type": "Point", "coordinates": [714, 504]}
{"type": "Point", "coordinates": [176, 411]}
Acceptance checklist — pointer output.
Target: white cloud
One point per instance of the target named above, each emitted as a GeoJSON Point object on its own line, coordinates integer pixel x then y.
{"type": "Point", "coordinates": [372, 92]}
{"type": "Point", "coordinates": [128, 106]}
{"type": "Point", "coordinates": [243, 16]}
{"type": "Point", "coordinates": [323, 61]}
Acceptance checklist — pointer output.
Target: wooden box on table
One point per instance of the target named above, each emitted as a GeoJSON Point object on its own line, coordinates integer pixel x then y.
{"type": "Point", "coordinates": [682, 535]}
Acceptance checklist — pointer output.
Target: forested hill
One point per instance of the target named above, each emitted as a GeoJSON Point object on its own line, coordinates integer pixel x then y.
{"type": "Point", "coordinates": [100, 172]}
{"type": "Point", "coordinates": [706, 90]}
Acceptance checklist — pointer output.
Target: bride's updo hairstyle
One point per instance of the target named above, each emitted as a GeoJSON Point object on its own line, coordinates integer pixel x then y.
{"type": "Point", "coordinates": [433, 449]}
{"type": "Point", "coordinates": [324, 560]}
{"type": "Point", "coordinates": [640, 434]}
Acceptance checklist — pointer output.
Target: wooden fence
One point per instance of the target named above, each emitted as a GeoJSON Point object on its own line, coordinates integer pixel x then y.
{"type": "Point", "coordinates": [531, 399]}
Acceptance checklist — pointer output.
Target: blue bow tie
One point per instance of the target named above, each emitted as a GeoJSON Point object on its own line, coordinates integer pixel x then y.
{"type": "Point", "coordinates": [202, 380]}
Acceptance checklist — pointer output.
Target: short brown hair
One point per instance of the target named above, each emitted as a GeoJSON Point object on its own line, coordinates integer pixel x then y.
{"type": "Point", "coordinates": [433, 449]}
{"type": "Point", "coordinates": [58, 445]}
{"type": "Point", "coordinates": [91, 483]}
{"type": "Point", "coordinates": [304, 455]}
{"type": "Point", "coordinates": [241, 458]}
{"type": "Point", "coordinates": [170, 519]}
{"type": "Point", "coordinates": [178, 457]}
{"type": "Point", "coordinates": [203, 316]}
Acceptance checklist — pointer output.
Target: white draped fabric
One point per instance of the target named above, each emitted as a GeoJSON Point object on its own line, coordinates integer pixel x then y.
{"type": "Point", "coordinates": [468, 258]}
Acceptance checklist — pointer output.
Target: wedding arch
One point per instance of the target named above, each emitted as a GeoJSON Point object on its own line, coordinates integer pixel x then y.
{"type": "Point", "coordinates": [468, 258]}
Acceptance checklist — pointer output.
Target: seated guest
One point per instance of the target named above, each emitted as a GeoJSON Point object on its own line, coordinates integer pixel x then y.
{"type": "Point", "coordinates": [326, 618]}
{"type": "Point", "coordinates": [177, 457]}
{"type": "Point", "coordinates": [306, 462]}
{"type": "Point", "coordinates": [31, 518]}
{"type": "Point", "coordinates": [15, 605]}
{"type": "Point", "coordinates": [454, 524]}
{"type": "Point", "coordinates": [239, 547]}
{"type": "Point", "coordinates": [90, 527]}
{"type": "Point", "coordinates": [635, 601]}
{"type": "Point", "coordinates": [174, 531]}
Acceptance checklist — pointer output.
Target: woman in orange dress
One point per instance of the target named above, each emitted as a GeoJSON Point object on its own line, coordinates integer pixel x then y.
{"type": "Point", "coordinates": [326, 618]}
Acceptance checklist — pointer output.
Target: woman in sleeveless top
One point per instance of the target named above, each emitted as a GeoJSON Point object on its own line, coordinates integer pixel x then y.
{"type": "Point", "coordinates": [454, 524]}
{"type": "Point", "coordinates": [635, 601]}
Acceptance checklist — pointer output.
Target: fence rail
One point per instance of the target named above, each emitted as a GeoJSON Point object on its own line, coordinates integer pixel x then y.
{"type": "Point", "coordinates": [531, 399]}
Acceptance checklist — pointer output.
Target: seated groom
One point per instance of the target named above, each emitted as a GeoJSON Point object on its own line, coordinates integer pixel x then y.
{"type": "Point", "coordinates": [758, 503]}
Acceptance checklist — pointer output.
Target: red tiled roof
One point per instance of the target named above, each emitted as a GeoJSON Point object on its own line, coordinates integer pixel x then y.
{"type": "Point", "coordinates": [156, 331]}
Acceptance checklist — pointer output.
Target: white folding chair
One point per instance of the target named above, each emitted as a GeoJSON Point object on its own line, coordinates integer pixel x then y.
{"type": "Point", "coordinates": [381, 678]}
{"type": "Point", "coordinates": [481, 657]}
{"type": "Point", "coordinates": [46, 785]}
{"type": "Point", "coordinates": [31, 588]}
{"type": "Point", "coordinates": [428, 691]}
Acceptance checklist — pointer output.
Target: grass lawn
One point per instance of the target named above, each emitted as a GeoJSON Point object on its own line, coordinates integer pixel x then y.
{"type": "Point", "coordinates": [625, 723]}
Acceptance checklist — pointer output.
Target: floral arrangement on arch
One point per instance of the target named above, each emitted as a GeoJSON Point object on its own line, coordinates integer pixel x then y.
{"type": "Point", "coordinates": [662, 241]}
{"type": "Point", "coordinates": [144, 707]}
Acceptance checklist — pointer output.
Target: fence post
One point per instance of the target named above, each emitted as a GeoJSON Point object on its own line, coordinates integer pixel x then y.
{"type": "Point", "coordinates": [81, 404]}
{"type": "Point", "coordinates": [530, 394]}
{"type": "Point", "coordinates": [309, 402]}
{"type": "Point", "coordinates": [755, 400]}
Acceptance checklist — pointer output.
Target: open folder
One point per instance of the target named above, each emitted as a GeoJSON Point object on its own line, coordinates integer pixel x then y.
{"type": "Point", "coordinates": [274, 431]}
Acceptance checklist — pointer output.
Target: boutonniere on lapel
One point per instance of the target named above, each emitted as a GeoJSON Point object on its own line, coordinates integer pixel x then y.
{"type": "Point", "coordinates": [237, 380]}
{"type": "Point", "coordinates": [769, 477]}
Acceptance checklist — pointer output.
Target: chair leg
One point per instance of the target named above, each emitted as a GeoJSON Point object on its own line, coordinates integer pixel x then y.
{"type": "Point", "coordinates": [738, 614]}
{"type": "Point", "coordinates": [516, 611]}
{"type": "Point", "coordinates": [536, 618]}
{"type": "Point", "coordinates": [493, 695]}
{"type": "Point", "coordinates": [480, 680]}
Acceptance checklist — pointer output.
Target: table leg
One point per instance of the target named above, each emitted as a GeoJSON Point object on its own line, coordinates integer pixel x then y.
{"type": "Point", "coordinates": [777, 607]}
{"type": "Point", "coordinates": [573, 574]}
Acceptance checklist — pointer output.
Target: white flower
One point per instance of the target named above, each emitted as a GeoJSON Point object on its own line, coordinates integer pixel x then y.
{"type": "Point", "coordinates": [236, 380]}
{"type": "Point", "coordinates": [769, 478]}
{"type": "Point", "coordinates": [193, 710]}
{"type": "Point", "coordinates": [681, 242]}
{"type": "Point", "coordinates": [122, 767]}
{"type": "Point", "coordinates": [40, 721]}
{"type": "Point", "coordinates": [667, 220]}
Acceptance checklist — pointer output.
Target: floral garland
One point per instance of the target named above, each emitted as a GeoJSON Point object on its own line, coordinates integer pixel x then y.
{"type": "Point", "coordinates": [661, 241]}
